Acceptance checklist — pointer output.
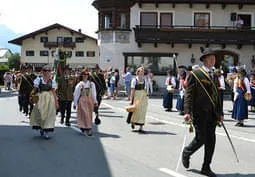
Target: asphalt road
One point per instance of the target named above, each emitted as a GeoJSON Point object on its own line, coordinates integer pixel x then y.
{"type": "Point", "coordinates": [115, 150]}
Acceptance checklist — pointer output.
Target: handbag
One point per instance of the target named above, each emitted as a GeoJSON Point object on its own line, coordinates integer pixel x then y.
{"type": "Point", "coordinates": [34, 99]}
{"type": "Point", "coordinates": [247, 96]}
{"type": "Point", "coordinates": [131, 108]}
{"type": "Point", "coordinates": [170, 89]}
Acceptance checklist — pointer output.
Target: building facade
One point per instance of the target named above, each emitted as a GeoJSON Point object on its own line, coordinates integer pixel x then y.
{"type": "Point", "coordinates": [4, 55]}
{"type": "Point", "coordinates": [39, 47]}
{"type": "Point", "coordinates": [162, 34]}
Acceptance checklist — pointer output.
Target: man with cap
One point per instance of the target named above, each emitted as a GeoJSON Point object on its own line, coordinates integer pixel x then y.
{"type": "Point", "coordinates": [21, 89]}
{"type": "Point", "coordinates": [97, 77]}
{"type": "Point", "coordinates": [66, 85]}
{"type": "Point", "coordinates": [202, 107]}
{"type": "Point", "coordinates": [30, 77]}
{"type": "Point", "coordinates": [26, 86]}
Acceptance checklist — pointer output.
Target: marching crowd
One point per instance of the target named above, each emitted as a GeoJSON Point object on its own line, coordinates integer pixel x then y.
{"type": "Point", "coordinates": [200, 98]}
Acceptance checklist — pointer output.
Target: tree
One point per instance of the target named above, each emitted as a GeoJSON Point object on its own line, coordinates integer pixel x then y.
{"type": "Point", "coordinates": [14, 61]}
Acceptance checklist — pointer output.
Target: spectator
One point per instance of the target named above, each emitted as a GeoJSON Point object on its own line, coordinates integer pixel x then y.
{"type": "Point", "coordinates": [127, 76]}
{"type": "Point", "coordinates": [239, 22]}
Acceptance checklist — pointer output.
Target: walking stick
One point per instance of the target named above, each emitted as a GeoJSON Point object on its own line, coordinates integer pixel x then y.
{"type": "Point", "coordinates": [183, 144]}
{"type": "Point", "coordinates": [233, 148]}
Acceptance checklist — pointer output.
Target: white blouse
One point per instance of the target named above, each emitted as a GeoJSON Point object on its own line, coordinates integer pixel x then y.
{"type": "Point", "coordinates": [246, 83]}
{"type": "Point", "coordinates": [77, 91]}
{"type": "Point", "coordinates": [134, 80]}
{"type": "Point", "coordinates": [37, 82]}
{"type": "Point", "coordinates": [173, 82]}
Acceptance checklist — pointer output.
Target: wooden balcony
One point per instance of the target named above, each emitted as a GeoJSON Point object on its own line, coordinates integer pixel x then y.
{"type": "Point", "coordinates": [59, 44]}
{"type": "Point", "coordinates": [240, 3]}
{"type": "Point", "coordinates": [195, 35]}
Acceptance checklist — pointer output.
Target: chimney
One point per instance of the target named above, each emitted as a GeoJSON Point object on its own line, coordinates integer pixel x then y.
{"type": "Point", "coordinates": [79, 30]}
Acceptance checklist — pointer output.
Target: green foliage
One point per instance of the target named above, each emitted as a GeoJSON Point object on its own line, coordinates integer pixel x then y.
{"type": "Point", "coordinates": [4, 67]}
{"type": "Point", "coordinates": [14, 61]}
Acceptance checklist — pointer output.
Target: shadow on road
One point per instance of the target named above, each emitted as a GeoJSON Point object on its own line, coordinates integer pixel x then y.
{"type": "Point", "coordinates": [224, 175]}
{"type": "Point", "coordinates": [67, 154]}
{"type": "Point", "coordinates": [148, 132]}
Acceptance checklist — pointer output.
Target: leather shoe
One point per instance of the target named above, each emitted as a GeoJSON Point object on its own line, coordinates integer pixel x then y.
{"type": "Point", "coordinates": [208, 172]}
{"type": "Point", "coordinates": [68, 124]}
{"type": "Point", "coordinates": [62, 121]}
{"type": "Point", "coordinates": [185, 160]}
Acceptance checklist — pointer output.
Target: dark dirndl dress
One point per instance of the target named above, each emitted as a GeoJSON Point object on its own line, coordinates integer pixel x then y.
{"type": "Point", "coordinates": [252, 102]}
{"type": "Point", "coordinates": [167, 100]}
{"type": "Point", "coordinates": [240, 108]}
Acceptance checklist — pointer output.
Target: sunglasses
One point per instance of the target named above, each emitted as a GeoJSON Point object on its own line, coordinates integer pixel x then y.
{"type": "Point", "coordinates": [45, 70]}
{"type": "Point", "coordinates": [85, 74]}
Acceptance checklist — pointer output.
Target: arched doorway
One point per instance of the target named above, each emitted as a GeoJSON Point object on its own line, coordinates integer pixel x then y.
{"type": "Point", "coordinates": [226, 60]}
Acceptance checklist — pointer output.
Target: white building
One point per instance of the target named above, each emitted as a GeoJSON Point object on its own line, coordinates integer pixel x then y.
{"type": "Point", "coordinates": [151, 32]}
{"type": "Point", "coordinates": [39, 47]}
{"type": "Point", "coordinates": [4, 55]}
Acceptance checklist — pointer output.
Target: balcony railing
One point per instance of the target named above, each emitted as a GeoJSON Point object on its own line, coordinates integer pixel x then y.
{"type": "Point", "coordinates": [195, 35]}
{"type": "Point", "coordinates": [59, 44]}
{"type": "Point", "coordinates": [199, 1]}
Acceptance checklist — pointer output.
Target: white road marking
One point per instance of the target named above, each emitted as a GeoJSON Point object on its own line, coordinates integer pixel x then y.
{"type": "Point", "coordinates": [182, 125]}
{"type": "Point", "coordinates": [170, 172]}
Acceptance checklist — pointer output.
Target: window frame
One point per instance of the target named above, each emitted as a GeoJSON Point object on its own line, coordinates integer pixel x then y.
{"type": "Point", "coordinates": [79, 53]}
{"type": "Point", "coordinates": [42, 51]}
{"type": "Point", "coordinates": [28, 51]}
{"type": "Point", "coordinates": [202, 13]}
{"type": "Point", "coordinates": [149, 12]}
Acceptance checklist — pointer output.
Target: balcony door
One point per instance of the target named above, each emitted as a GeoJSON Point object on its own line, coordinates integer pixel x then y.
{"type": "Point", "coordinates": [166, 20]}
{"type": "Point", "coordinates": [246, 20]}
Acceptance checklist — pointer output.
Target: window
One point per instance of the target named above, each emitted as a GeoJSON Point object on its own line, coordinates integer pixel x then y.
{"type": "Point", "coordinates": [107, 20]}
{"type": "Point", "coordinates": [59, 39]}
{"type": "Point", "coordinates": [69, 54]}
{"type": "Point", "coordinates": [90, 53]}
{"type": "Point", "coordinates": [159, 63]}
{"type": "Point", "coordinates": [44, 53]}
{"type": "Point", "coordinates": [166, 20]}
{"type": "Point", "coordinates": [79, 39]}
{"type": "Point", "coordinates": [148, 19]}
{"type": "Point", "coordinates": [30, 53]}
{"type": "Point", "coordinates": [68, 40]}
{"type": "Point", "coordinates": [43, 39]}
{"type": "Point", "coordinates": [202, 20]}
{"type": "Point", "coordinates": [79, 54]}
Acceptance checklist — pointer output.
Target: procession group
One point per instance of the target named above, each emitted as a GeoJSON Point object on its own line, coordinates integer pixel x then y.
{"type": "Point", "coordinates": [200, 98]}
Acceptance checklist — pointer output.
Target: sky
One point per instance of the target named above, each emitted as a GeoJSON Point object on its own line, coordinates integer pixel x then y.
{"type": "Point", "coordinates": [26, 16]}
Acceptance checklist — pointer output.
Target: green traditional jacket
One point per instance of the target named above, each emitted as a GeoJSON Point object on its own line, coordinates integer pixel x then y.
{"type": "Point", "coordinates": [197, 101]}
{"type": "Point", "coordinates": [27, 83]}
{"type": "Point", "coordinates": [66, 88]}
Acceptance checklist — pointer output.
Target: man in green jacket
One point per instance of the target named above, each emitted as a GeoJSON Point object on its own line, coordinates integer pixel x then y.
{"type": "Point", "coordinates": [202, 106]}
{"type": "Point", "coordinates": [66, 85]}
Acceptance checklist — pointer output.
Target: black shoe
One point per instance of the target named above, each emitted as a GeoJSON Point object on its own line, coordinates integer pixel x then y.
{"type": "Point", "coordinates": [239, 124]}
{"type": "Point", "coordinates": [132, 126]}
{"type": "Point", "coordinates": [41, 132]}
{"type": "Point", "coordinates": [185, 160]}
{"type": "Point", "coordinates": [68, 124]}
{"type": "Point", "coordinates": [208, 172]}
{"type": "Point", "coordinates": [62, 121]}
{"type": "Point", "coordinates": [20, 109]}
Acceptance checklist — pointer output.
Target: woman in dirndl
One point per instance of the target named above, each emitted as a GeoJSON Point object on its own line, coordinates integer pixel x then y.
{"type": "Point", "coordinates": [168, 92]}
{"type": "Point", "coordinates": [85, 100]}
{"type": "Point", "coordinates": [138, 97]}
{"type": "Point", "coordinates": [43, 115]}
{"type": "Point", "coordinates": [240, 107]}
